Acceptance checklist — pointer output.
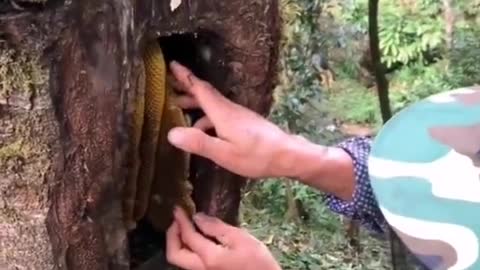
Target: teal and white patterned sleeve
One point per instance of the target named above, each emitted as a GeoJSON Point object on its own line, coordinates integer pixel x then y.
{"type": "Point", "coordinates": [364, 207]}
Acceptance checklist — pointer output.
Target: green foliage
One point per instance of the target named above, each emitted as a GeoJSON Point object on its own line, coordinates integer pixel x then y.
{"type": "Point", "coordinates": [470, 9]}
{"type": "Point", "coordinates": [417, 82]}
{"type": "Point", "coordinates": [355, 13]}
{"type": "Point", "coordinates": [465, 58]}
{"type": "Point", "coordinates": [299, 82]}
{"type": "Point", "coordinates": [412, 42]}
{"type": "Point", "coordinates": [319, 243]}
{"type": "Point", "coordinates": [300, 107]}
{"type": "Point", "coordinates": [272, 192]}
{"type": "Point", "coordinates": [406, 32]}
{"type": "Point", "coordinates": [411, 34]}
{"type": "Point", "coordinates": [406, 41]}
{"type": "Point", "coordinates": [354, 103]}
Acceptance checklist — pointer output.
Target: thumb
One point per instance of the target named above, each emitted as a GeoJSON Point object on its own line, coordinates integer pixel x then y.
{"type": "Point", "coordinates": [195, 141]}
{"type": "Point", "coordinates": [216, 228]}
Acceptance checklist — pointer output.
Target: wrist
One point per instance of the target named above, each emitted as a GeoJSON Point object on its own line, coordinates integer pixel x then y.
{"type": "Point", "coordinates": [302, 158]}
{"type": "Point", "coordinates": [329, 169]}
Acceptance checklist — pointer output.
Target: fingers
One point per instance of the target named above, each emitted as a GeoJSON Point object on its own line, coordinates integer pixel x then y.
{"type": "Point", "coordinates": [204, 124]}
{"type": "Point", "coordinates": [186, 102]}
{"type": "Point", "coordinates": [172, 81]}
{"type": "Point", "coordinates": [186, 81]}
{"type": "Point", "coordinates": [190, 237]}
{"type": "Point", "coordinates": [214, 104]}
{"type": "Point", "coordinates": [217, 229]}
{"type": "Point", "coordinates": [179, 256]}
{"type": "Point", "coordinates": [195, 141]}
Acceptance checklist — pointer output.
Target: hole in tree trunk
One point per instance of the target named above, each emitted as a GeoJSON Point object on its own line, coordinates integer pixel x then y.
{"type": "Point", "coordinates": [203, 53]}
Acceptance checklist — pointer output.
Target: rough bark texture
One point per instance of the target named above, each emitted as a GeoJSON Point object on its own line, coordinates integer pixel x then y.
{"type": "Point", "coordinates": [62, 153]}
{"type": "Point", "coordinates": [28, 143]}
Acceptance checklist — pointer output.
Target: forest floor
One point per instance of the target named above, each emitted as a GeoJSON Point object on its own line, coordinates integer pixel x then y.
{"type": "Point", "coordinates": [319, 243]}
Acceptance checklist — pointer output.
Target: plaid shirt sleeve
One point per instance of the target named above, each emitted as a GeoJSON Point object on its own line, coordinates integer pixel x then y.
{"type": "Point", "coordinates": [364, 207]}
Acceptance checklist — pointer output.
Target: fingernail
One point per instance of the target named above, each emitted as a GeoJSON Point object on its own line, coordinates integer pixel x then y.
{"type": "Point", "coordinates": [202, 217]}
{"type": "Point", "coordinates": [175, 136]}
{"type": "Point", "coordinates": [177, 66]}
{"type": "Point", "coordinates": [176, 210]}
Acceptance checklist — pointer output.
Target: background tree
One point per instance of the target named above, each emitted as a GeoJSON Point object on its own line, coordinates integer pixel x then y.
{"type": "Point", "coordinates": [379, 68]}
{"type": "Point", "coordinates": [412, 43]}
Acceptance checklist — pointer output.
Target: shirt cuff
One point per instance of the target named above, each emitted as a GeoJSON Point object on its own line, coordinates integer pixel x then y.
{"type": "Point", "coordinates": [363, 207]}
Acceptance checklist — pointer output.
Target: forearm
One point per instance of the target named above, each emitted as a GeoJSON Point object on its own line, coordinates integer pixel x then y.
{"type": "Point", "coordinates": [341, 172]}
{"type": "Point", "coordinates": [329, 169]}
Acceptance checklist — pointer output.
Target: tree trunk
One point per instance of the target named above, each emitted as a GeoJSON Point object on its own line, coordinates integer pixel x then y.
{"type": "Point", "coordinates": [379, 68]}
{"type": "Point", "coordinates": [449, 15]}
{"type": "Point", "coordinates": [401, 258]}
{"type": "Point", "coordinates": [64, 136]}
{"type": "Point", "coordinates": [28, 149]}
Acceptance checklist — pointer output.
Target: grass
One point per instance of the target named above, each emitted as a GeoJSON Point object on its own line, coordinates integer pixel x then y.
{"type": "Point", "coordinates": [353, 103]}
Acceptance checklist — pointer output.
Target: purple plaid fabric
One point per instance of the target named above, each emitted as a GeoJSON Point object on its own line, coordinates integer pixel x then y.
{"type": "Point", "coordinates": [364, 207]}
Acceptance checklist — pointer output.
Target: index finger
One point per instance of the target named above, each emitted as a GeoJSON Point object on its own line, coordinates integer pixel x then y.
{"type": "Point", "coordinates": [177, 254]}
{"type": "Point", "coordinates": [190, 237]}
{"type": "Point", "coordinates": [216, 228]}
{"type": "Point", "coordinates": [210, 100]}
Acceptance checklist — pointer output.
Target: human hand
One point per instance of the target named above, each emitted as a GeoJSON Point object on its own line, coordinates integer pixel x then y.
{"type": "Point", "coordinates": [247, 144]}
{"type": "Point", "coordinates": [237, 249]}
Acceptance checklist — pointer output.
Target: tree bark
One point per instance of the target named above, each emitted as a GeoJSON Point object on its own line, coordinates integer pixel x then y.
{"type": "Point", "coordinates": [28, 148]}
{"type": "Point", "coordinates": [64, 150]}
{"type": "Point", "coordinates": [382, 82]}
{"type": "Point", "coordinates": [449, 15]}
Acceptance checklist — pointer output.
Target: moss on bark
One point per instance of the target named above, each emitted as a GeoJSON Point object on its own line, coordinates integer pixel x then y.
{"type": "Point", "coordinates": [26, 141]}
